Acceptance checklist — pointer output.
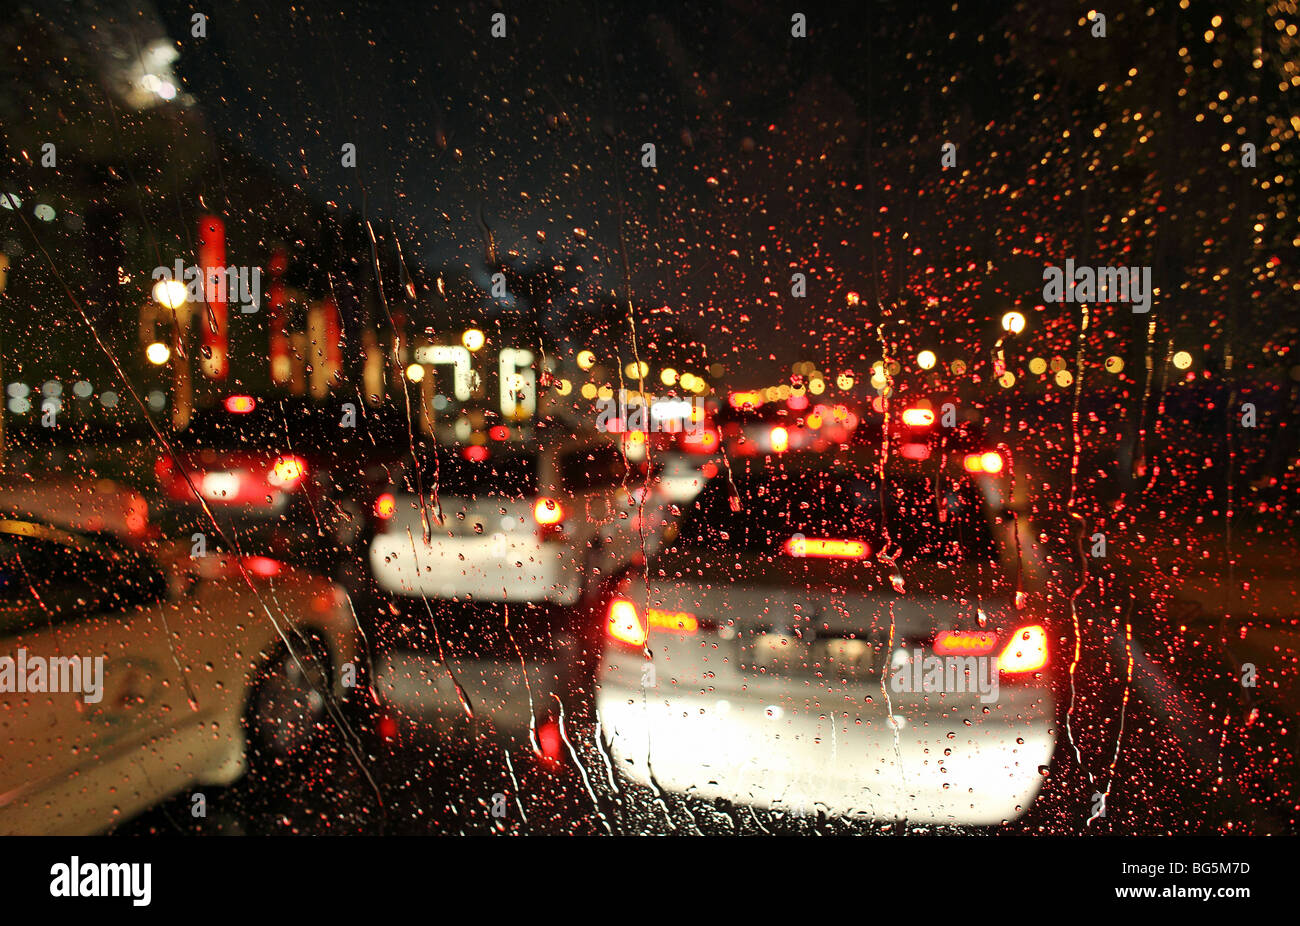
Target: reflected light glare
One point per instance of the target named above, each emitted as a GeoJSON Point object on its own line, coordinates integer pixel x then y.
{"type": "Point", "coordinates": [1013, 322]}
{"type": "Point", "coordinates": [169, 294]}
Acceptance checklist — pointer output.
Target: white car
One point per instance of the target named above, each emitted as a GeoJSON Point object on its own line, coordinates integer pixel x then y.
{"type": "Point", "coordinates": [130, 671]}
{"type": "Point", "coordinates": [513, 522]}
{"type": "Point", "coordinates": [521, 537]}
{"type": "Point", "coordinates": [779, 663]}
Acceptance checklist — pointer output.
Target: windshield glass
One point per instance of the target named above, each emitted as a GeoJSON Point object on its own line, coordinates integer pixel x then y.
{"type": "Point", "coordinates": [590, 419]}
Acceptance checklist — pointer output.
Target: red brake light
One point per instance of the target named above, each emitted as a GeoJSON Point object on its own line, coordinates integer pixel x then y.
{"type": "Point", "coordinates": [287, 471]}
{"type": "Point", "coordinates": [780, 440]}
{"type": "Point", "coordinates": [262, 566]}
{"type": "Point", "coordinates": [673, 621]}
{"type": "Point", "coordinates": [548, 511]}
{"type": "Point", "coordinates": [624, 624]}
{"type": "Point", "coordinates": [476, 453]}
{"type": "Point", "coordinates": [499, 432]}
{"type": "Point", "coordinates": [703, 442]}
{"type": "Point", "coordinates": [385, 506]}
{"type": "Point", "coordinates": [965, 643]}
{"type": "Point", "coordinates": [816, 546]}
{"type": "Point", "coordinates": [549, 742]}
{"type": "Point", "coordinates": [240, 404]}
{"type": "Point", "coordinates": [1027, 651]}
{"type": "Point", "coordinates": [918, 417]}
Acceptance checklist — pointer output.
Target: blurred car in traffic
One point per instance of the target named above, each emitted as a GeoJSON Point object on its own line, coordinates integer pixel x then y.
{"type": "Point", "coordinates": [815, 640]}
{"type": "Point", "coordinates": [282, 473]}
{"type": "Point", "coordinates": [487, 558]}
{"type": "Point", "coordinates": [130, 670]}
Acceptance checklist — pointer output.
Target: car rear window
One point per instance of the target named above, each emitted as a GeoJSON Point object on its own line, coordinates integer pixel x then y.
{"type": "Point", "coordinates": [946, 524]}
{"type": "Point", "coordinates": [477, 471]}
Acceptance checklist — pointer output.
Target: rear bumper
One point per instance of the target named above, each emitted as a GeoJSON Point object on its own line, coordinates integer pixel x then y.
{"type": "Point", "coordinates": [509, 568]}
{"type": "Point", "coordinates": [845, 759]}
{"type": "Point", "coordinates": [504, 699]}
{"type": "Point", "coordinates": [512, 660]}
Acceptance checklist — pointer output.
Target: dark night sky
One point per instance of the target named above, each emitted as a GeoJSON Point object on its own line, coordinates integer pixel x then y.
{"type": "Point", "coordinates": [777, 154]}
{"type": "Point", "coordinates": [541, 131]}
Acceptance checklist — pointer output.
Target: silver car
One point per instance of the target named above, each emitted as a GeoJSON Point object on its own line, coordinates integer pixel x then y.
{"type": "Point", "coordinates": [815, 642]}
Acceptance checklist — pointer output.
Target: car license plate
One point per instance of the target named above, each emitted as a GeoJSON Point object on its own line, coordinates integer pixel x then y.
{"type": "Point", "coordinates": [779, 653]}
{"type": "Point", "coordinates": [845, 657]}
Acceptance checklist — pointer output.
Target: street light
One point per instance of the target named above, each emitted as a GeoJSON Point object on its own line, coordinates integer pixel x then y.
{"type": "Point", "coordinates": [170, 294]}
{"type": "Point", "coordinates": [1013, 322]}
{"type": "Point", "coordinates": [472, 339]}
{"type": "Point", "coordinates": [158, 353]}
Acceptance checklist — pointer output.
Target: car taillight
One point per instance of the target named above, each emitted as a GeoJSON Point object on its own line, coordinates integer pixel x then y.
{"type": "Point", "coordinates": [287, 472]}
{"type": "Point", "coordinates": [964, 642]}
{"type": "Point", "coordinates": [385, 506]}
{"type": "Point", "coordinates": [162, 467]}
{"type": "Point", "coordinates": [988, 462]}
{"type": "Point", "coordinates": [550, 744]}
{"type": "Point", "coordinates": [817, 546]}
{"type": "Point", "coordinates": [918, 417]}
{"type": "Point", "coordinates": [1026, 652]}
{"type": "Point", "coordinates": [548, 512]}
{"type": "Point", "coordinates": [262, 566]}
{"type": "Point", "coordinates": [672, 621]}
{"type": "Point", "coordinates": [780, 440]}
{"type": "Point", "coordinates": [705, 441]}
{"type": "Point", "coordinates": [240, 404]}
{"type": "Point", "coordinates": [624, 624]}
